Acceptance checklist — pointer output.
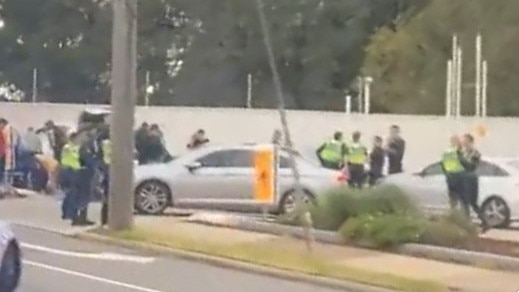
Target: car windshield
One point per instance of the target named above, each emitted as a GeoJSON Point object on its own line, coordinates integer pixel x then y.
{"type": "Point", "coordinates": [286, 153]}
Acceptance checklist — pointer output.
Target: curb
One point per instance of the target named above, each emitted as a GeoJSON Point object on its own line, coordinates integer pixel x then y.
{"type": "Point", "coordinates": [314, 280]}
{"type": "Point", "coordinates": [471, 258]}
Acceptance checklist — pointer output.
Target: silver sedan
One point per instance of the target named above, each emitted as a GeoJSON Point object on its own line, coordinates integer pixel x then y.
{"type": "Point", "coordinates": [224, 178]}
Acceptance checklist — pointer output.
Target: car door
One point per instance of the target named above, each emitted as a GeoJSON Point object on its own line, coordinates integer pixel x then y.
{"type": "Point", "coordinates": [430, 188]}
{"type": "Point", "coordinates": [493, 180]}
{"type": "Point", "coordinates": [221, 177]}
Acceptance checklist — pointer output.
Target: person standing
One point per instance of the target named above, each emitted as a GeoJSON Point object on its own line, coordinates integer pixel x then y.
{"type": "Point", "coordinates": [89, 154]}
{"type": "Point", "coordinates": [331, 154]}
{"type": "Point", "coordinates": [141, 143]}
{"type": "Point", "coordinates": [69, 178]}
{"type": "Point", "coordinates": [377, 157]}
{"type": "Point", "coordinates": [395, 150]}
{"type": "Point", "coordinates": [357, 157]}
{"type": "Point", "coordinates": [470, 160]}
{"type": "Point", "coordinates": [106, 153]}
{"type": "Point", "coordinates": [57, 138]}
{"type": "Point", "coordinates": [453, 170]}
{"type": "Point", "coordinates": [3, 148]}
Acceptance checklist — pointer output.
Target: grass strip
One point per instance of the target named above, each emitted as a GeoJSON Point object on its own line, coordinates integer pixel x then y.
{"type": "Point", "coordinates": [273, 255]}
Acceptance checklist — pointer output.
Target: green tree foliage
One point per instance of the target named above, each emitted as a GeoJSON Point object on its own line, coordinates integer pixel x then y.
{"type": "Point", "coordinates": [196, 54]}
{"type": "Point", "coordinates": [409, 63]}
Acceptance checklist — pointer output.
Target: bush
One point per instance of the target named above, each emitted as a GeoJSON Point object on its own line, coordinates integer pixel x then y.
{"type": "Point", "coordinates": [452, 230]}
{"type": "Point", "coordinates": [383, 230]}
{"type": "Point", "coordinates": [336, 206]}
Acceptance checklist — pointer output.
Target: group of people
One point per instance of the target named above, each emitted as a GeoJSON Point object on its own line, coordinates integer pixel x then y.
{"type": "Point", "coordinates": [363, 165]}
{"type": "Point", "coordinates": [150, 144]}
{"type": "Point", "coordinates": [459, 163]}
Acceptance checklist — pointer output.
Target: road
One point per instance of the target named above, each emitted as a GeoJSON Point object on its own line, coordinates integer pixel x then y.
{"type": "Point", "coordinates": [53, 263]}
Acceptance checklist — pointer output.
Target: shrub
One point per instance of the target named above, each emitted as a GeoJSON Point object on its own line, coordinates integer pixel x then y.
{"type": "Point", "coordinates": [383, 230]}
{"type": "Point", "coordinates": [336, 206]}
{"type": "Point", "coordinates": [451, 230]}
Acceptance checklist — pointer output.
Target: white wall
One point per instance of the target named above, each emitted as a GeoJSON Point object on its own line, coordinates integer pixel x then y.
{"type": "Point", "coordinates": [426, 136]}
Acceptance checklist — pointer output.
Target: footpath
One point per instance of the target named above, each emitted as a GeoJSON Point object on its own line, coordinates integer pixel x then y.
{"type": "Point", "coordinates": [347, 263]}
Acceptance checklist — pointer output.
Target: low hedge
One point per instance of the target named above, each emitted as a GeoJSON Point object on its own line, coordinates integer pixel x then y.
{"type": "Point", "coordinates": [384, 217]}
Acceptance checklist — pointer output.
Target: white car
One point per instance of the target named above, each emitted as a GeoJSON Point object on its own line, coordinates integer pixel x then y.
{"type": "Point", "coordinates": [498, 189]}
{"type": "Point", "coordinates": [224, 178]}
{"type": "Point", "coordinates": [10, 259]}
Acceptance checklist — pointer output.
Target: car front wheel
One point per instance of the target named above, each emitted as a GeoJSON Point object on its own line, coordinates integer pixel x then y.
{"type": "Point", "coordinates": [152, 197]}
{"type": "Point", "coordinates": [288, 203]}
{"type": "Point", "coordinates": [496, 213]}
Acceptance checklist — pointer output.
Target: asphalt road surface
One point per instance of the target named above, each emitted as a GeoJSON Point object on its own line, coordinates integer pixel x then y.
{"type": "Point", "coordinates": [53, 263]}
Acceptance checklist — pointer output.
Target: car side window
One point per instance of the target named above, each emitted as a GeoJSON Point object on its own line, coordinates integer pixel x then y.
{"type": "Point", "coordinates": [433, 169]}
{"type": "Point", "coordinates": [284, 162]}
{"type": "Point", "coordinates": [227, 158]}
{"type": "Point", "coordinates": [486, 168]}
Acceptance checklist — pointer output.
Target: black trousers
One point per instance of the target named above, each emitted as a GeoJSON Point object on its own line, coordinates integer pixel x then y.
{"type": "Point", "coordinates": [470, 195]}
{"type": "Point", "coordinates": [330, 165]}
{"type": "Point", "coordinates": [373, 177]}
{"type": "Point", "coordinates": [357, 175]}
{"type": "Point", "coordinates": [455, 189]}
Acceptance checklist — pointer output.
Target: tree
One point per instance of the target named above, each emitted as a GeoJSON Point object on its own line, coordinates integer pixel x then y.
{"type": "Point", "coordinates": [409, 64]}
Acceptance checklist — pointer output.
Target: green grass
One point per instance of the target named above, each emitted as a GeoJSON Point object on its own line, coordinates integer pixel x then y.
{"type": "Point", "coordinates": [275, 254]}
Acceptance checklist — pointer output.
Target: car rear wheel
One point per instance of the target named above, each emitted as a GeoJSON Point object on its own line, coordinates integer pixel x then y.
{"type": "Point", "coordinates": [289, 200]}
{"type": "Point", "coordinates": [152, 197]}
{"type": "Point", "coordinates": [496, 213]}
{"type": "Point", "coordinates": [10, 269]}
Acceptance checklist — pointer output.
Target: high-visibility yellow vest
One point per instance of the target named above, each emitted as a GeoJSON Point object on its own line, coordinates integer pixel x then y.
{"type": "Point", "coordinates": [332, 151]}
{"type": "Point", "coordinates": [106, 146]}
{"type": "Point", "coordinates": [451, 162]}
{"type": "Point", "coordinates": [357, 154]}
{"type": "Point", "coordinates": [70, 156]}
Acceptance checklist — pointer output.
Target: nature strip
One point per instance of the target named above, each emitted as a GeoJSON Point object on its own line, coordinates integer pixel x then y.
{"type": "Point", "coordinates": [479, 259]}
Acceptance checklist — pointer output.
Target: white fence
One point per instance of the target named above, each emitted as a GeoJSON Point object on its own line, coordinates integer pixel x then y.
{"type": "Point", "coordinates": [426, 136]}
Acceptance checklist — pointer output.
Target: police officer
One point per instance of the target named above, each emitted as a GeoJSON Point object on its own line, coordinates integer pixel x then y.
{"type": "Point", "coordinates": [453, 170]}
{"type": "Point", "coordinates": [331, 154]}
{"type": "Point", "coordinates": [106, 154]}
{"type": "Point", "coordinates": [470, 160]}
{"type": "Point", "coordinates": [69, 177]}
{"type": "Point", "coordinates": [89, 157]}
{"type": "Point", "coordinates": [357, 157]}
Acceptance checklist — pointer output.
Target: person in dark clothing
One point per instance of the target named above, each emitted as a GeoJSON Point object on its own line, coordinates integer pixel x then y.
{"type": "Point", "coordinates": [89, 157]}
{"type": "Point", "coordinates": [395, 150]}
{"type": "Point", "coordinates": [141, 143]}
{"type": "Point", "coordinates": [470, 160]}
{"type": "Point", "coordinates": [377, 157]}
{"type": "Point", "coordinates": [198, 139]}
{"type": "Point", "coordinates": [57, 138]}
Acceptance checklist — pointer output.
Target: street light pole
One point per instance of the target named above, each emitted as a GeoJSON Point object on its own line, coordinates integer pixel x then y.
{"type": "Point", "coordinates": [124, 47]}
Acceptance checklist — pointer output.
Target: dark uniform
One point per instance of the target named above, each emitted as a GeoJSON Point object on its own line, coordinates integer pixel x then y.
{"type": "Point", "coordinates": [470, 159]}
{"type": "Point", "coordinates": [106, 153]}
{"type": "Point", "coordinates": [395, 155]}
{"type": "Point", "coordinates": [376, 164]}
{"type": "Point", "coordinates": [357, 156]}
{"type": "Point", "coordinates": [453, 170]}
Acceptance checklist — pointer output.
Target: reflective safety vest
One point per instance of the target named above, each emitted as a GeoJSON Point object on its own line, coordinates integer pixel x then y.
{"type": "Point", "coordinates": [451, 162]}
{"type": "Point", "coordinates": [332, 151]}
{"type": "Point", "coordinates": [106, 146]}
{"type": "Point", "coordinates": [70, 156]}
{"type": "Point", "coordinates": [357, 154]}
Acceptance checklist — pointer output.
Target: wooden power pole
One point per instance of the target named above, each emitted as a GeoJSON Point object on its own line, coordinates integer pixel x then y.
{"type": "Point", "coordinates": [124, 89]}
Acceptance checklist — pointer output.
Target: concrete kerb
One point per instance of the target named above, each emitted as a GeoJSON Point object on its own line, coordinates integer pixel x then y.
{"type": "Point", "coordinates": [478, 259]}
{"type": "Point", "coordinates": [234, 264]}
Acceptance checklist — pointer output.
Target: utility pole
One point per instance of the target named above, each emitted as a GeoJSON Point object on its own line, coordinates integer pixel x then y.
{"type": "Point", "coordinates": [124, 89]}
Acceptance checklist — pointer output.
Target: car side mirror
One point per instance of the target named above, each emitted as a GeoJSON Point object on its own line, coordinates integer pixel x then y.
{"type": "Point", "coordinates": [192, 166]}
